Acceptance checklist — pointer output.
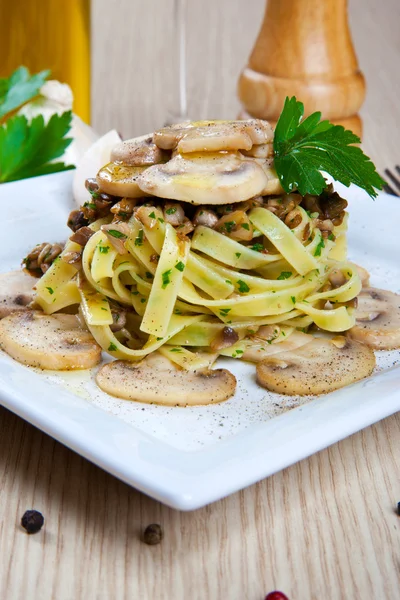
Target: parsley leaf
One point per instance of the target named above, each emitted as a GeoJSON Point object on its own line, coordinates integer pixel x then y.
{"type": "Point", "coordinates": [19, 88]}
{"type": "Point", "coordinates": [166, 280]}
{"type": "Point", "coordinates": [180, 266]}
{"type": "Point", "coordinates": [243, 287]}
{"type": "Point", "coordinates": [285, 275]}
{"type": "Point", "coordinates": [117, 234]}
{"type": "Point", "coordinates": [27, 149]}
{"type": "Point", "coordinates": [319, 246]}
{"type": "Point", "coordinates": [112, 347]}
{"type": "Point", "coordinates": [304, 148]}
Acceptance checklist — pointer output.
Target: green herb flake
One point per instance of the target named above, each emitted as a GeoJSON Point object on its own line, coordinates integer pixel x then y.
{"type": "Point", "coordinates": [50, 290]}
{"type": "Point", "coordinates": [159, 339]}
{"type": "Point", "coordinates": [117, 234]}
{"type": "Point", "coordinates": [229, 225]}
{"type": "Point", "coordinates": [112, 347]}
{"type": "Point", "coordinates": [320, 245]}
{"type": "Point", "coordinates": [152, 215]}
{"type": "Point", "coordinates": [224, 311]}
{"type": "Point", "coordinates": [257, 247]}
{"type": "Point", "coordinates": [161, 220]}
{"type": "Point", "coordinates": [171, 211]}
{"type": "Point", "coordinates": [104, 249]}
{"type": "Point", "coordinates": [176, 350]}
{"type": "Point", "coordinates": [139, 238]}
{"type": "Point", "coordinates": [243, 287]}
{"type": "Point", "coordinates": [180, 266]}
{"type": "Point", "coordinates": [102, 308]}
{"type": "Point", "coordinates": [142, 300]}
{"type": "Point", "coordinates": [90, 205]}
{"type": "Point", "coordinates": [135, 293]}
{"type": "Point", "coordinates": [238, 254]}
{"type": "Point", "coordinates": [245, 226]}
{"type": "Point", "coordinates": [293, 299]}
{"type": "Point", "coordinates": [166, 278]}
{"type": "Point", "coordinates": [285, 275]}
{"type": "Point", "coordinates": [228, 281]}
{"type": "Point", "coordinates": [149, 275]}
{"type": "Point", "coordinates": [331, 237]}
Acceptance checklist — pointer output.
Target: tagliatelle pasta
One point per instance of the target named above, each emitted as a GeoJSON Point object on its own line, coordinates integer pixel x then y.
{"type": "Point", "coordinates": [182, 292]}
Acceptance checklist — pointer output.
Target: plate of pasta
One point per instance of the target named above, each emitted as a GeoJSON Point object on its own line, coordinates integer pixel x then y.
{"type": "Point", "coordinates": [217, 311]}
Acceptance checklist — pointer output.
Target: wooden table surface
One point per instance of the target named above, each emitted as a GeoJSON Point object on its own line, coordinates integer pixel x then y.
{"type": "Point", "coordinates": [323, 529]}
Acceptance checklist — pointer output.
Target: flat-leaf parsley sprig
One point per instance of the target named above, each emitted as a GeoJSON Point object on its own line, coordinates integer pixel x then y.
{"type": "Point", "coordinates": [304, 148]}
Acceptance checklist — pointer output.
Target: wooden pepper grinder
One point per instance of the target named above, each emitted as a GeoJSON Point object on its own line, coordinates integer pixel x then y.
{"type": "Point", "coordinates": [304, 49]}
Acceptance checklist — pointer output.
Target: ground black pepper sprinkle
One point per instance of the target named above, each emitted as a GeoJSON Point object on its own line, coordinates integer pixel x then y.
{"type": "Point", "coordinates": [153, 534]}
{"type": "Point", "coordinates": [32, 521]}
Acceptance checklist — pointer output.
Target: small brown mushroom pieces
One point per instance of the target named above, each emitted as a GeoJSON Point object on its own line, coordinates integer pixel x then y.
{"type": "Point", "coordinates": [15, 292]}
{"type": "Point", "coordinates": [377, 319]}
{"type": "Point", "coordinates": [155, 380]}
{"type": "Point", "coordinates": [318, 367]}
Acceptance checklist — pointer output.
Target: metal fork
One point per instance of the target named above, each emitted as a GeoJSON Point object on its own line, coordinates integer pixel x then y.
{"type": "Point", "coordinates": [395, 179]}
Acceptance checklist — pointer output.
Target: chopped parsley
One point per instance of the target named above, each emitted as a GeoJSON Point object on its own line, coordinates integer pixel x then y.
{"type": "Point", "coordinates": [228, 281]}
{"type": "Point", "coordinates": [320, 245]}
{"type": "Point", "coordinates": [238, 254]}
{"type": "Point", "coordinates": [331, 237]}
{"type": "Point", "coordinates": [171, 211]}
{"type": "Point", "coordinates": [285, 275]}
{"type": "Point", "coordinates": [161, 220]}
{"type": "Point", "coordinates": [159, 338]}
{"type": "Point", "coordinates": [112, 347]}
{"type": "Point", "coordinates": [50, 290]}
{"type": "Point", "coordinates": [117, 234]}
{"type": "Point", "coordinates": [229, 225]}
{"type": "Point", "coordinates": [180, 266]}
{"type": "Point", "coordinates": [176, 350]}
{"type": "Point", "coordinates": [257, 247]}
{"type": "Point", "coordinates": [139, 239]}
{"type": "Point", "coordinates": [224, 311]}
{"type": "Point", "coordinates": [142, 300]}
{"type": "Point", "coordinates": [243, 287]}
{"type": "Point", "coordinates": [149, 275]}
{"type": "Point", "coordinates": [293, 298]}
{"type": "Point", "coordinates": [152, 215]}
{"type": "Point", "coordinates": [90, 205]}
{"type": "Point", "coordinates": [166, 278]}
{"type": "Point", "coordinates": [104, 249]}
{"type": "Point", "coordinates": [246, 226]}
{"type": "Point", "coordinates": [135, 293]}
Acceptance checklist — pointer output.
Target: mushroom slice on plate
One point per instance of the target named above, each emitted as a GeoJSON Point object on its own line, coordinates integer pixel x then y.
{"type": "Point", "coordinates": [155, 380]}
{"type": "Point", "coordinates": [139, 152]}
{"type": "Point", "coordinates": [259, 350]}
{"type": "Point", "coordinates": [205, 178]}
{"type": "Point", "coordinates": [273, 185]}
{"type": "Point", "coordinates": [120, 180]}
{"type": "Point", "coordinates": [213, 136]}
{"type": "Point", "coordinates": [318, 367]}
{"type": "Point", "coordinates": [15, 292]}
{"type": "Point", "coordinates": [377, 319]}
{"type": "Point", "coordinates": [55, 342]}
{"type": "Point", "coordinates": [363, 275]}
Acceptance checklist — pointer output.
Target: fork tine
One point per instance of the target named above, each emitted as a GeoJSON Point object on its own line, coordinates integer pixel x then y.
{"type": "Point", "coordinates": [393, 179]}
{"type": "Point", "coordinates": [389, 190]}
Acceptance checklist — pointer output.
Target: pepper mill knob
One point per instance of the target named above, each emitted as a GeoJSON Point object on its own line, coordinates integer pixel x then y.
{"type": "Point", "coordinates": [304, 49]}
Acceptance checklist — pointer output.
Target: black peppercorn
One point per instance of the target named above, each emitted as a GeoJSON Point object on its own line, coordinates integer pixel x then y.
{"type": "Point", "coordinates": [153, 534]}
{"type": "Point", "coordinates": [32, 521]}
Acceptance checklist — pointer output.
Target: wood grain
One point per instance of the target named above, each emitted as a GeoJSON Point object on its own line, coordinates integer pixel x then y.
{"type": "Point", "coordinates": [324, 529]}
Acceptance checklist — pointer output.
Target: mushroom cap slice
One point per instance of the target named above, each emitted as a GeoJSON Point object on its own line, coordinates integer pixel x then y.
{"type": "Point", "coordinates": [120, 180]}
{"type": "Point", "coordinates": [214, 136]}
{"type": "Point", "coordinates": [363, 275]}
{"type": "Point", "coordinates": [205, 178]}
{"type": "Point", "coordinates": [16, 292]}
{"type": "Point", "coordinates": [55, 342]}
{"type": "Point", "coordinates": [260, 349]}
{"type": "Point", "coordinates": [273, 186]}
{"type": "Point", "coordinates": [155, 380]}
{"type": "Point", "coordinates": [377, 319]}
{"type": "Point", "coordinates": [139, 152]}
{"type": "Point", "coordinates": [318, 367]}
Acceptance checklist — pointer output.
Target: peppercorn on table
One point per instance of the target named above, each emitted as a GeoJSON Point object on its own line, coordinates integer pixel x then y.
{"type": "Point", "coordinates": [325, 528]}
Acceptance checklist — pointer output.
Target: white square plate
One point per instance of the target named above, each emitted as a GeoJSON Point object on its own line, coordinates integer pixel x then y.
{"type": "Point", "coordinates": [188, 457]}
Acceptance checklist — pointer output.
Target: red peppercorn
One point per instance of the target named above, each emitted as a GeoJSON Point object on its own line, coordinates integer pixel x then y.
{"type": "Point", "coordinates": [276, 596]}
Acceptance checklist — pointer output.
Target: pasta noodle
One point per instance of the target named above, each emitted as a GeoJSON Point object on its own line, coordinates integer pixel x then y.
{"type": "Point", "coordinates": [183, 292]}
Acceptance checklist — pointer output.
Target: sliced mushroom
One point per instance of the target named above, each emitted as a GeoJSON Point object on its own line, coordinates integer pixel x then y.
{"type": "Point", "coordinates": [54, 342]}
{"type": "Point", "coordinates": [260, 349]}
{"type": "Point", "coordinates": [363, 275]}
{"type": "Point", "coordinates": [273, 185]}
{"type": "Point", "coordinates": [120, 180]}
{"type": "Point", "coordinates": [214, 136]}
{"type": "Point", "coordinates": [260, 151]}
{"type": "Point", "coordinates": [377, 319]}
{"type": "Point", "coordinates": [318, 367]}
{"type": "Point", "coordinates": [155, 380]}
{"type": "Point", "coordinates": [15, 291]}
{"type": "Point", "coordinates": [212, 178]}
{"type": "Point", "coordinates": [139, 152]}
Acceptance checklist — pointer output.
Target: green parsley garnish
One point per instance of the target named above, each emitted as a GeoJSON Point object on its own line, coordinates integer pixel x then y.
{"type": "Point", "coordinates": [243, 287]}
{"type": "Point", "coordinates": [149, 275]}
{"type": "Point", "coordinates": [228, 281]}
{"type": "Point", "coordinates": [104, 249]}
{"type": "Point", "coordinates": [90, 205]}
{"type": "Point", "coordinates": [135, 293]}
{"type": "Point", "coordinates": [139, 239]}
{"type": "Point", "coordinates": [257, 247]}
{"type": "Point", "coordinates": [142, 300]}
{"type": "Point", "coordinates": [304, 148]}
{"type": "Point", "coordinates": [246, 226]}
{"type": "Point", "coordinates": [117, 234]}
{"type": "Point", "coordinates": [50, 290]}
{"type": "Point", "coordinates": [176, 350]}
{"type": "Point", "coordinates": [166, 278]}
{"type": "Point", "coordinates": [285, 275]}
{"type": "Point", "coordinates": [180, 266]}
{"type": "Point", "coordinates": [238, 254]}
{"type": "Point", "coordinates": [229, 225]}
{"type": "Point", "coordinates": [112, 347]}
{"type": "Point", "coordinates": [19, 88]}
{"type": "Point", "coordinates": [152, 215]}
{"type": "Point", "coordinates": [171, 211]}
{"type": "Point", "coordinates": [224, 311]}
{"type": "Point", "coordinates": [320, 245]}
{"type": "Point", "coordinates": [161, 220]}
{"type": "Point", "coordinates": [331, 237]}
{"type": "Point", "coordinates": [293, 298]}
